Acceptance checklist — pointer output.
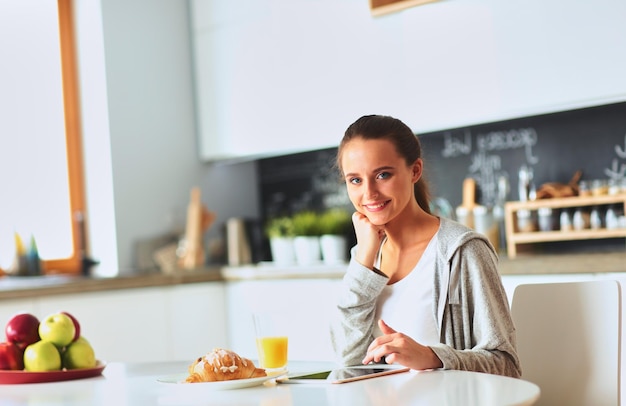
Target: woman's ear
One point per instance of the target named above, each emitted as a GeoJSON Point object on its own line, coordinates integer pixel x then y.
{"type": "Point", "coordinates": [417, 170]}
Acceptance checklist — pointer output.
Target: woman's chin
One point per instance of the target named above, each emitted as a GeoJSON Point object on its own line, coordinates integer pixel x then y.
{"type": "Point", "coordinates": [377, 221]}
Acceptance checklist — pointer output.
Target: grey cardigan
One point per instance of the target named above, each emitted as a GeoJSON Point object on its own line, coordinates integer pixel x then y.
{"type": "Point", "coordinates": [470, 306]}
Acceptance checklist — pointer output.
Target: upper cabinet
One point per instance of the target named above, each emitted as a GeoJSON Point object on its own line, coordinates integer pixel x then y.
{"type": "Point", "coordinates": [275, 77]}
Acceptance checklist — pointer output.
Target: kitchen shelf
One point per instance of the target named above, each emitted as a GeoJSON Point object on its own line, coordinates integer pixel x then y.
{"type": "Point", "coordinates": [515, 237]}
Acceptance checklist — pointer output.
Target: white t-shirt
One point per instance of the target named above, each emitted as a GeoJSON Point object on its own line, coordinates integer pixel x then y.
{"type": "Point", "coordinates": [407, 305]}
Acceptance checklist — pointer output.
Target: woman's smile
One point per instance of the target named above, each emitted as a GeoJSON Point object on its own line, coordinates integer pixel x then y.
{"type": "Point", "coordinates": [376, 207]}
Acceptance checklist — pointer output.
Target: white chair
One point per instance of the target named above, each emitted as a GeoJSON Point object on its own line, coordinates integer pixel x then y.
{"type": "Point", "coordinates": [569, 340]}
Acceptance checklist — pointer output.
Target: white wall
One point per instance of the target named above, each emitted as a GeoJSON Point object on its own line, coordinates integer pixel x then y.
{"type": "Point", "coordinates": [469, 60]}
{"type": "Point", "coordinates": [151, 119]}
{"type": "Point", "coordinates": [139, 126]}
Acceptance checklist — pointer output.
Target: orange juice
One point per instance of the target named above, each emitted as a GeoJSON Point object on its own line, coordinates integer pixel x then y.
{"type": "Point", "coordinates": [272, 351]}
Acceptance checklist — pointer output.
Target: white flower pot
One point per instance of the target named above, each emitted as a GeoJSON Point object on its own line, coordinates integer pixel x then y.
{"type": "Point", "coordinates": [307, 249]}
{"type": "Point", "coordinates": [282, 250]}
{"type": "Point", "coordinates": [333, 248]}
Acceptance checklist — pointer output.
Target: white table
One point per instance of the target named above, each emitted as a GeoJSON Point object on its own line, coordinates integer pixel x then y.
{"type": "Point", "coordinates": [136, 385]}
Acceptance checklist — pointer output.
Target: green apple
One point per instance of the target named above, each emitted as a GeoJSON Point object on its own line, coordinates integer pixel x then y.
{"type": "Point", "coordinates": [42, 356]}
{"type": "Point", "coordinates": [79, 354]}
{"type": "Point", "coordinates": [58, 328]}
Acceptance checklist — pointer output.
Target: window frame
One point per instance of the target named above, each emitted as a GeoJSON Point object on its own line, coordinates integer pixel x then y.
{"type": "Point", "coordinates": [73, 136]}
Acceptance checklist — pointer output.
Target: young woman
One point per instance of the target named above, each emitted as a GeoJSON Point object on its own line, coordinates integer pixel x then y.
{"type": "Point", "coordinates": [420, 290]}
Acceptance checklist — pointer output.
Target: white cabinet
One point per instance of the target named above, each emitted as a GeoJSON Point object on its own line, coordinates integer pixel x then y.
{"type": "Point", "coordinates": [122, 325]}
{"type": "Point", "coordinates": [307, 302]}
{"type": "Point", "coordinates": [279, 76]}
{"type": "Point", "coordinates": [197, 316]}
{"type": "Point", "coordinates": [182, 322]}
{"type": "Point", "coordinates": [263, 82]}
{"type": "Point", "coordinates": [164, 323]}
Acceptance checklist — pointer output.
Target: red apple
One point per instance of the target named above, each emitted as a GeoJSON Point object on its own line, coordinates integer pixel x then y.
{"type": "Point", "coordinates": [23, 330]}
{"type": "Point", "coordinates": [76, 325]}
{"type": "Point", "coordinates": [11, 356]}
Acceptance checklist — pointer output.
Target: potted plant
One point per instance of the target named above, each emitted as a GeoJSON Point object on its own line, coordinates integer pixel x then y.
{"type": "Point", "coordinates": [306, 237]}
{"type": "Point", "coordinates": [334, 224]}
{"type": "Point", "coordinates": [280, 233]}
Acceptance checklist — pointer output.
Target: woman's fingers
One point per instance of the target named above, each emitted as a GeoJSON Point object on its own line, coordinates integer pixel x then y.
{"type": "Point", "coordinates": [375, 355]}
{"type": "Point", "coordinates": [394, 347]}
{"type": "Point", "coordinates": [384, 327]}
{"type": "Point", "coordinates": [379, 348]}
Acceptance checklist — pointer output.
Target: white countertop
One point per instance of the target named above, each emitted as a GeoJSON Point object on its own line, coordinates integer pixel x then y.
{"type": "Point", "coordinates": [137, 385]}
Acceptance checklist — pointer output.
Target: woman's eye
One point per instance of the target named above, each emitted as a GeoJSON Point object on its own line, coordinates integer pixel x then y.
{"type": "Point", "coordinates": [354, 181]}
{"type": "Point", "coordinates": [383, 175]}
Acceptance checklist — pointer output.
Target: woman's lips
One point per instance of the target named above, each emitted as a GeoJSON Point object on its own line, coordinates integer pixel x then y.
{"type": "Point", "coordinates": [374, 207]}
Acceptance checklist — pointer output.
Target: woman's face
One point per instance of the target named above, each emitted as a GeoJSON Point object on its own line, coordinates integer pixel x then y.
{"type": "Point", "coordinates": [378, 180]}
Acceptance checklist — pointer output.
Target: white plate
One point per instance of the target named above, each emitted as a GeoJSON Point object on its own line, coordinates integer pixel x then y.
{"type": "Point", "coordinates": [179, 381]}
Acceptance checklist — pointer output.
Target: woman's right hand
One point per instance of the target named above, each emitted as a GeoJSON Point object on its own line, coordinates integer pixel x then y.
{"type": "Point", "coordinates": [368, 238]}
{"type": "Point", "coordinates": [398, 348]}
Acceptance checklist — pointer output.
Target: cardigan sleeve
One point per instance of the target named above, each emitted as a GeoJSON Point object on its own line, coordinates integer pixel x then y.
{"type": "Point", "coordinates": [477, 329]}
{"type": "Point", "coordinates": [353, 321]}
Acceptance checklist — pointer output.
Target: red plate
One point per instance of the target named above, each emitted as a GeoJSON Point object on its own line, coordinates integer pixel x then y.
{"type": "Point", "coordinates": [12, 377]}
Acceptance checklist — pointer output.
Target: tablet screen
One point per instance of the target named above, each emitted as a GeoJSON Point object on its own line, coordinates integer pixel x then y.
{"type": "Point", "coordinates": [347, 374]}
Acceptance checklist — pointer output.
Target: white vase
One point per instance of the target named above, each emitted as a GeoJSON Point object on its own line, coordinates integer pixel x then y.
{"type": "Point", "coordinates": [282, 249]}
{"type": "Point", "coordinates": [333, 248]}
{"type": "Point", "coordinates": [307, 249]}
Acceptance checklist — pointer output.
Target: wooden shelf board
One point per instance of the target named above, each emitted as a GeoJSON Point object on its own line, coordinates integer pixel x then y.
{"type": "Point", "coordinates": [566, 202]}
{"type": "Point", "coordinates": [542, 236]}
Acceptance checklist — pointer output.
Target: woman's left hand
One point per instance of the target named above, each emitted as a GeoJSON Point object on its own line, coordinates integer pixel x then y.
{"type": "Point", "coordinates": [401, 349]}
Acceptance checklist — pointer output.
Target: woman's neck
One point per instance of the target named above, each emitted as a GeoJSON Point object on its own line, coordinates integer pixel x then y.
{"type": "Point", "coordinates": [412, 227]}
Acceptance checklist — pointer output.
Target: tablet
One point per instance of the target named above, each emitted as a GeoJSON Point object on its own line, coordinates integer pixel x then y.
{"type": "Point", "coordinates": [343, 375]}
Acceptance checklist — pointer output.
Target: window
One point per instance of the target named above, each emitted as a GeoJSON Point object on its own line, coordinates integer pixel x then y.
{"type": "Point", "coordinates": [41, 170]}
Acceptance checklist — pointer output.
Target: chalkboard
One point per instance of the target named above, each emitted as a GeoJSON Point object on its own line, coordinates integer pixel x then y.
{"type": "Point", "coordinates": [304, 181]}
{"type": "Point", "coordinates": [554, 145]}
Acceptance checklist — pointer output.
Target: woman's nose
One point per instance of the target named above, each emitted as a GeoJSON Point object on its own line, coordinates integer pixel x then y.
{"type": "Point", "coordinates": [371, 192]}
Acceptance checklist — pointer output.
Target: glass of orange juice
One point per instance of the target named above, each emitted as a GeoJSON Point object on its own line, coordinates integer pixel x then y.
{"type": "Point", "coordinates": [271, 340]}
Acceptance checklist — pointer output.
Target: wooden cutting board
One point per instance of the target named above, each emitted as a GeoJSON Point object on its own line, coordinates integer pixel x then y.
{"type": "Point", "coordinates": [465, 212]}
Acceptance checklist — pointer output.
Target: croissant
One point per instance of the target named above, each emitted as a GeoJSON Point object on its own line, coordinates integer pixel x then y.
{"type": "Point", "coordinates": [222, 365]}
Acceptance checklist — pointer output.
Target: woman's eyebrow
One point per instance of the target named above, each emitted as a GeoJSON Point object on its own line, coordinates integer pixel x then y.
{"type": "Point", "coordinates": [375, 170]}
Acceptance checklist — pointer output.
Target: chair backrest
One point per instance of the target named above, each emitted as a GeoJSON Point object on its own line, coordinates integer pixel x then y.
{"type": "Point", "coordinates": [569, 340]}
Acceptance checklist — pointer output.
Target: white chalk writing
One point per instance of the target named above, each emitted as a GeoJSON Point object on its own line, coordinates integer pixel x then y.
{"type": "Point", "coordinates": [516, 138]}
{"type": "Point", "coordinates": [486, 169]}
{"type": "Point", "coordinates": [617, 170]}
{"type": "Point", "coordinates": [621, 152]}
{"type": "Point", "coordinates": [454, 146]}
